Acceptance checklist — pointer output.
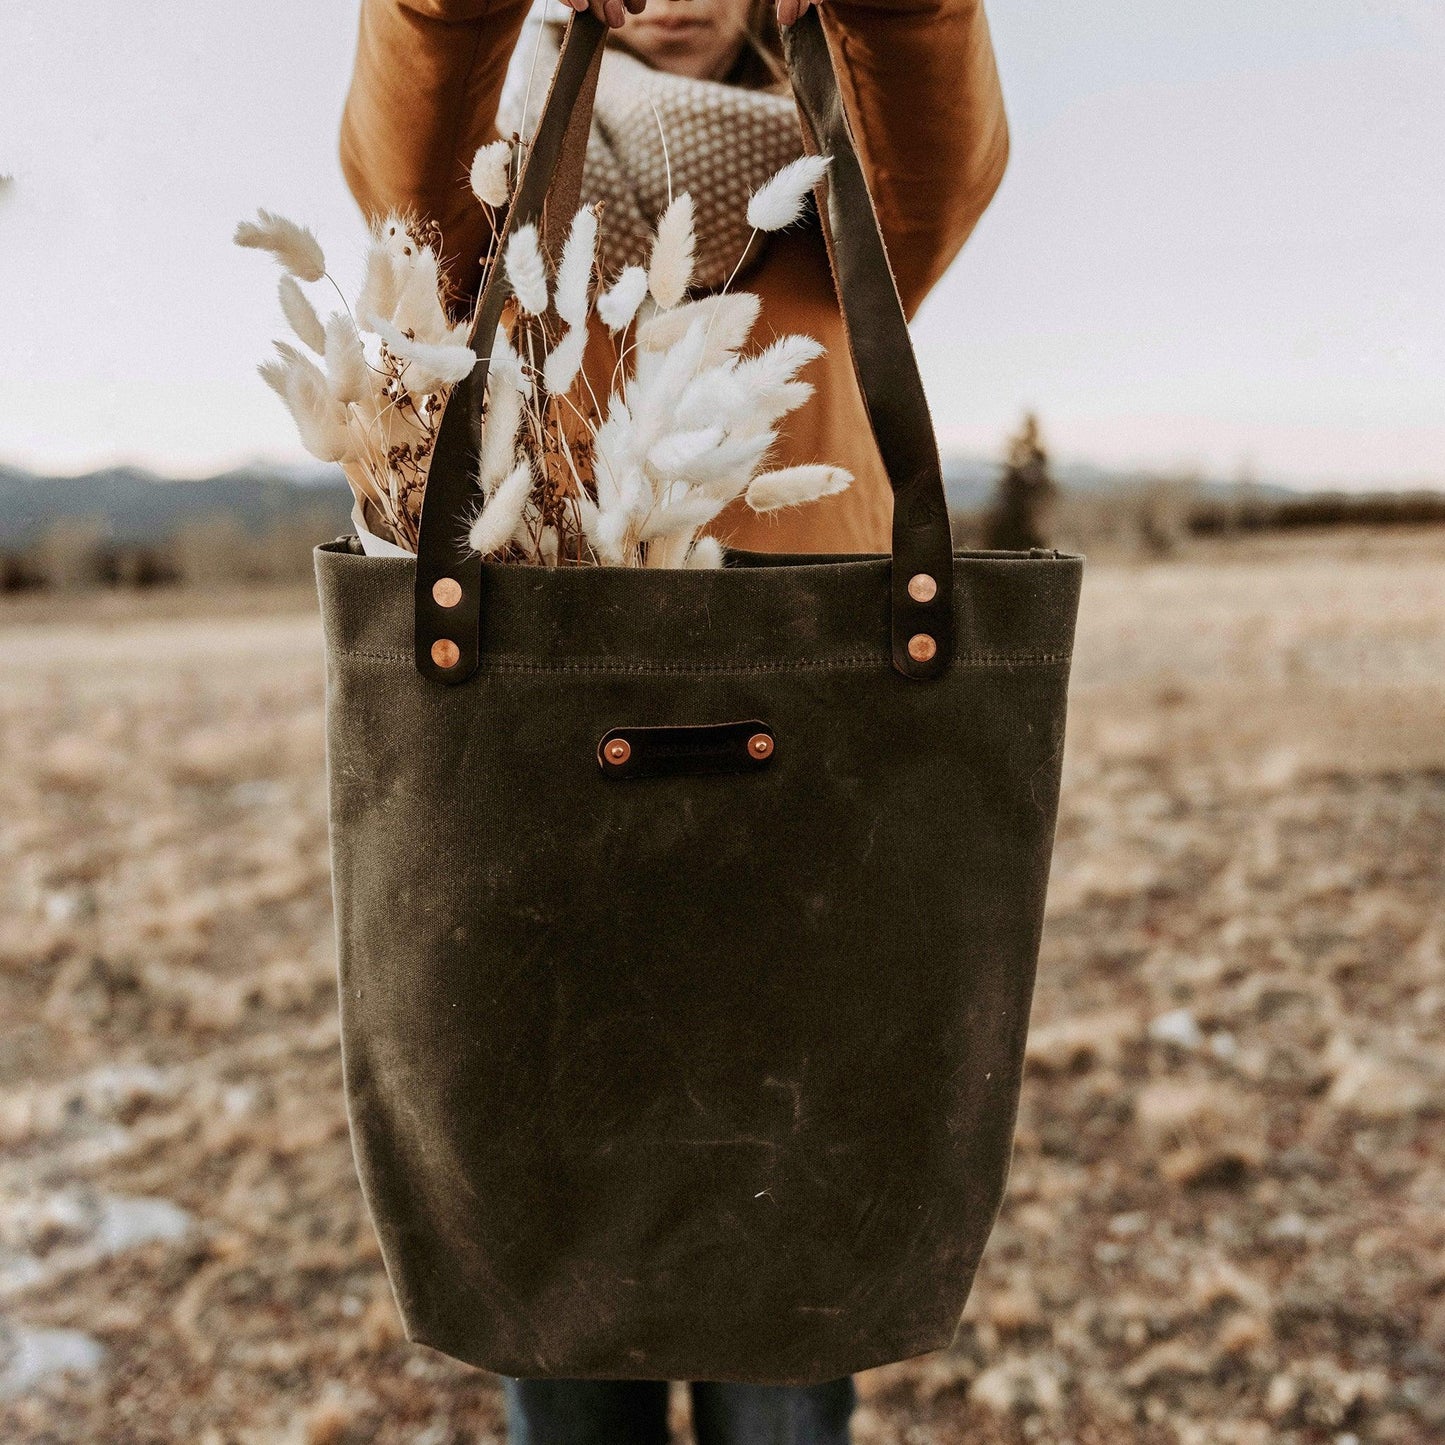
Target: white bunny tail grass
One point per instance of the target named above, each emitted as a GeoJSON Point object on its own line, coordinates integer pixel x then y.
{"type": "Point", "coordinates": [706, 552]}
{"type": "Point", "coordinates": [729, 326]}
{"type": "Point", "coordinates": [669, 551]}
{"type": "Point", "coordinates": [767, 409]}
{"type": "Point", "coordinates": [590, 515]}
{"type": "Point", "coordinates": [494, 525]}
{"type": "Point", "coordinates": [669, 271]}
{"type": "Point", "coordinates": [618, 306]}
{"type": "Point", "coordinates": [346, 367]}
{"type": "Point", "coordinates": [675, 453]}
{"type": "Point", "coordinates": [394, 232]}
{"type": "Point", "coordinates": [525, 270]}
{"type": "Point", "coordinates": [380, 284]}
{"type": "Point", "coordinates": [653, 393]}
{"type": "Point", "coordinates": [779, 202]}
{"type": "Point", "coordinates": [779, 363]}
{"type": "Point", "coordinates": [499, 430]}
{"type": "Point", "coordinates": [725, 469]}
{"type": "Point", "coordinates": [320, 419]}
{"type": "Point", "coordinates": [489, 173]}
{"type": "Point", "coordinates": [297, 250]}
{"type": "Point", "coordinates": [574, 272]}
{"type": "Point", "coordinates": [715, 397]}
{"type": "Point", "coordinates": [418, 303]}
{"type": "Point", "coordinates": [274, 372]}
{"type": "Point", "coordinates": [436, 365]}
{"type": "Point", "coordinates": [793, 486]}
{"type": "Point", "coordinates": [685, 516]}
{"type": "Point", "coordinates": [564, 361]}
{"type": "Point", "coordinates": [506, 366]}
{"type": "Point", "coordinates": [730, 319]}
{"type": "Point", "coordinates": [301, 315]}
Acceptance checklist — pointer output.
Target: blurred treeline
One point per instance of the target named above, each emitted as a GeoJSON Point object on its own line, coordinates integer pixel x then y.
{"type": "Point", "coordinates": [1160, 517]}
{"type": "Point", "coordinates": [76, 553]}
{"type": "Point", "coordinates": [1156, 517]}
{"type": "Point", "coordinates": [246, 529]}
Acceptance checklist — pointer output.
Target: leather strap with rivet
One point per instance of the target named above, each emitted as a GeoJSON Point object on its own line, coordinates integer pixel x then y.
{"type": "Point", "coordinates": [450, 581]}
{"type": "Point", "coordinates": [883, 361]}
{"type": "Point", "coordinates": [449, 576]}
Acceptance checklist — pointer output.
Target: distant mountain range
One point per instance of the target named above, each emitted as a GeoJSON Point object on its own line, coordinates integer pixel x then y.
{"type": "Point", "coordinates": [132, 506]}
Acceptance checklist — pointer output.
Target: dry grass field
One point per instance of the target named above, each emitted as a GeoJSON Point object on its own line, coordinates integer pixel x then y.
{"type": "Point", "coordinates": [1226, 1221]}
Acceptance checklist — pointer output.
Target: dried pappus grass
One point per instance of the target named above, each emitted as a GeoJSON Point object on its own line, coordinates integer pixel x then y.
{"type": "Point", "coordinates": [564, 361]}
{"type": "Point", "coordinates": [793, 486]}
{"type": "Point", "coordinates": [429, 366]}
{"type": "Point", "coordinates": [346, 367]}
{"type": "Point", "coordinates": [301, 315]}
{"type": "Point", "coordinates": [574, 272]}
{"type": "Point", "coordinates": [526, 271]}
{"type": "Point", "coordinates": [689, 419]}
{"type": "Point", "coordinates": [388, 368]}
{"type": "Point", "coordinates": [489, 173]}
{"type": "Point", "coordinates": [618, 306]}
{"type": "Point", "coordinates": [295, 248]}
{"type": "Point", "coordinates": [495, 525]}
{"type": "Point", "coordinates": [778, 202]}
{"type": "Point", "coordinates": [669, 272]}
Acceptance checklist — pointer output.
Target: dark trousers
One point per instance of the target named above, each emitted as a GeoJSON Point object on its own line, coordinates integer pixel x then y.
{"type": "Point", "coordinates": [634, 1412]}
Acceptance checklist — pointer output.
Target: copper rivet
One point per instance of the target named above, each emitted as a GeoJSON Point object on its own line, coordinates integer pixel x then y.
{"type": "Point", "coordinates": [618, 751]}
{"type": "Point", "coordinates": [760, 745]}
{"type": "Point", "coordinates": [922, 587]}
{"type": "Point", "coordinates": [921, 647]}
{"type": "Point", "coordinates": [445, 652]}
{"type": "Point", "coordinates": [447, 591]}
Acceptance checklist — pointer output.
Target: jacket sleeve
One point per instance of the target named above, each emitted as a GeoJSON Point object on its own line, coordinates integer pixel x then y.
{"type": "Point", "coordinates": [424, 94]}
{"type": "Point", "coordinates": [922, 91]}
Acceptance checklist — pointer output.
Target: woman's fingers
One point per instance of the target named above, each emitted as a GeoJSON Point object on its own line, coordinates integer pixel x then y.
{"type": "Point", "coordinates": [615, 12]}
{"type": "Point", "coordinates": [609, 12]}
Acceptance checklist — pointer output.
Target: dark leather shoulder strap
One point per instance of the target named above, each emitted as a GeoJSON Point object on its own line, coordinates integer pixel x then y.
{"type": "Point", "coordinates": [883, 360]}
{"type": "Point", "coordinates": [448, 576]}
{"type": "Point", "coordinates": [449, 581]}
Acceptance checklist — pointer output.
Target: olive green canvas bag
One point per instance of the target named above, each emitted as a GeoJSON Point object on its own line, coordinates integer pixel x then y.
{"type": "Point", "coordinates": [688, 920]}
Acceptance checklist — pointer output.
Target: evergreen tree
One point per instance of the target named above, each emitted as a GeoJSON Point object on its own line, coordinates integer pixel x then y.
{"type": "Point", "coordinates": [1020, 515]}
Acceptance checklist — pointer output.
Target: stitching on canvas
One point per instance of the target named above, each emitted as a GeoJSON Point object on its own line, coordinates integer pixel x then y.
{"type": "Point", "coordinates": [694, 669]}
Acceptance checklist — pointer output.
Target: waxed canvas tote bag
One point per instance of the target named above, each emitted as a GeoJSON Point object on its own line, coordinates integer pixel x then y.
{"type": "Point", "coordinates": [688, 920]}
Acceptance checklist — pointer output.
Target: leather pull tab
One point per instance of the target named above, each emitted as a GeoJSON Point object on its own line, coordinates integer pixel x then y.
{"type": "Point", "coordinates": [687, 751]}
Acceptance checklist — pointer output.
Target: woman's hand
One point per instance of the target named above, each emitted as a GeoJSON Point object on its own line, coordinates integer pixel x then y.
{"type": "Point", "coordinates": [791, 11]}
{"type": "Point", "coordinates": [615, 12]}
{"type": "Point", "coordinates": [610, 12]}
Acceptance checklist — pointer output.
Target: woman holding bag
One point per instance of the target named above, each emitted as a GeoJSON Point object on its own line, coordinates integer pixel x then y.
{"type": "Point", "coordinates": [694, 96]}
{"type": "Point", "coordinates": [926, 108]}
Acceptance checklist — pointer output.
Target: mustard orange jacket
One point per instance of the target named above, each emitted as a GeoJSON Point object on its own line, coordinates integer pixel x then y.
{"type": "Point", "coordinates": [922, 88]}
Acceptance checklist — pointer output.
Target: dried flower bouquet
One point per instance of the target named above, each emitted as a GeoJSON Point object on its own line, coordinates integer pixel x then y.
{"type": "Point", "coordinates": [563, 478]}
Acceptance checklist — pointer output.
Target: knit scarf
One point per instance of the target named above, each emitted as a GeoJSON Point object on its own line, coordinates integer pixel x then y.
{"type": "Point", "coordinates": [655, 134]}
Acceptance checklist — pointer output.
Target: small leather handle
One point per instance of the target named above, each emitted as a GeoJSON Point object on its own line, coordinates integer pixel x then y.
{"type": "Point", "coordinates": [448, 618]}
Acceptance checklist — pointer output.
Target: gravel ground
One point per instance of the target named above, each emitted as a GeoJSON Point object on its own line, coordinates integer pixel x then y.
{"type": "Point", "coordinates": [1226, 1220]}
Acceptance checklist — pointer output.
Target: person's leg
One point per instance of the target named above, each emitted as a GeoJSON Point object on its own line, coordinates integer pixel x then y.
{"type": "Point", "coordinates": [772, 1414]}
{"type": "Point", "coordinates": [586, 1412]}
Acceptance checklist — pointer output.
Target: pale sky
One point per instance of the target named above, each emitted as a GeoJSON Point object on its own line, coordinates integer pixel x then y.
{"type": "Point", "coordinates": [1220, 243]}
